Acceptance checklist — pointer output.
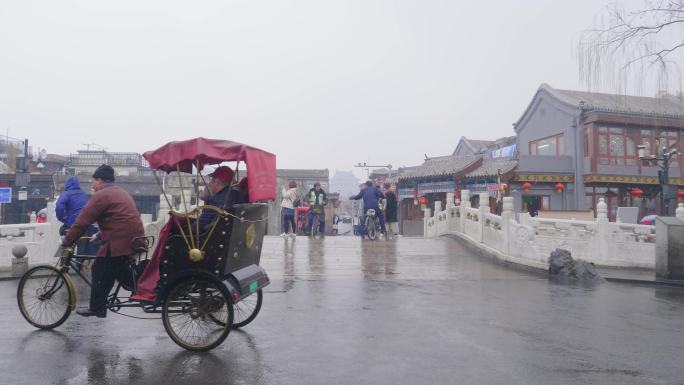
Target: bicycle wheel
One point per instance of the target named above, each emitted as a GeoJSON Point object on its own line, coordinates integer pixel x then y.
{"type": "Point", "coordinates": [371, 228]}
{"type": "Point", "coordinates": [247, 309]}
{"type": "Point", "coordinates": [46, 297]}
{"type": "Point", "coordinates": [198, 314]}
{"type": "Point", "coordinates": [316, 224]}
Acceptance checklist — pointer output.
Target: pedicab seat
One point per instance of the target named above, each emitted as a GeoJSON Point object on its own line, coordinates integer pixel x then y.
{"type": "Point", "coordinates": [232, 253]}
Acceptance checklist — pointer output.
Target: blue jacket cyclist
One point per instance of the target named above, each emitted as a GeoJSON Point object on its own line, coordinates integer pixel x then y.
{"type": "Point", "coordinates": [371, 196]}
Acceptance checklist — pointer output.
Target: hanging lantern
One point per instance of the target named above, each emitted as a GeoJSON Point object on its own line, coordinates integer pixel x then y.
{"type": "Point", "coordinates": [527, 186]}
{"type": "Point", "coordinates": [503, 187]}
{"type": "Point", "coordinates": [680, 194]}
{"type": "Point", "coordinates": [560, 187]}
{"type": "Point", "coordinates": [636, 193]}
{"type": "Point", "coordinates": [423, 201]}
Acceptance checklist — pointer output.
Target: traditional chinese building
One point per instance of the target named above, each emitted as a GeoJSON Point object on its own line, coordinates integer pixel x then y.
{"type": "Point", "coordinates": [576, 147]}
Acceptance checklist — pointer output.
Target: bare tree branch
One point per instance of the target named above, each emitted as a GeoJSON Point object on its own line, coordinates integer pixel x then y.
{"type": "Point", "coordinates": [633, 44]}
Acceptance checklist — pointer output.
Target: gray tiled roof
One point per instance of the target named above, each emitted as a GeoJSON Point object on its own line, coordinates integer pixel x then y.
{"type": "Point", "coordinates": [667, 105]}
{"type": "Point", "coordinates": [477, 145]}
{"type": "Point", "coordinates": [490, 167]}
{"type": "Point", "coordinates": [439, 166]}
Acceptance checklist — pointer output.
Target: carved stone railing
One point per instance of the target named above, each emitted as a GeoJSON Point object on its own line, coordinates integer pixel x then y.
{"type": "Point", "coordinates": [530, 241]}
{"type": "Point", "coordinates": [42, 239]}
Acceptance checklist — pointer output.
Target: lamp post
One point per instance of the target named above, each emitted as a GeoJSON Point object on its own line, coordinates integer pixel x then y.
{"type": "Point", "coordinates": [662, 159]}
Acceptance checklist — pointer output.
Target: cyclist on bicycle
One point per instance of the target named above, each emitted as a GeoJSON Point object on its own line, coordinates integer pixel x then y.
{"type": "Point", "coordinates": [114, 211]}
{"type": "Point", "coordinates": [371, 196]}
{"type": "Point", "coordinates": [317, 201]}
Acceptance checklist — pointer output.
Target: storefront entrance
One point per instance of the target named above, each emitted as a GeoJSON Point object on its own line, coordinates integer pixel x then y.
{"type": "Point", "coordinates": [536, 203]}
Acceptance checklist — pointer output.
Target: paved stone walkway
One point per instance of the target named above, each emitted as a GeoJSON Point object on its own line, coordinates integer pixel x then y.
{"type": "Point", "coordinates": [346, 311]}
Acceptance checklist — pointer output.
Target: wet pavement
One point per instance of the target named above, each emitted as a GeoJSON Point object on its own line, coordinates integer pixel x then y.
{"type": "Point", "coordinates": [411, 311]}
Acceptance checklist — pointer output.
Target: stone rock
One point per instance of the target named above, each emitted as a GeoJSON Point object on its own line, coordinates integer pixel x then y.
{"type": "Point", "coordinates": [564, 268]}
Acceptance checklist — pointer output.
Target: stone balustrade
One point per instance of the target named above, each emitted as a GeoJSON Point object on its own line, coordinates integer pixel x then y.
{"type": "Point", "coordinates": [529, 241]}
{"type": "Point", "coordinates": [42, 239]}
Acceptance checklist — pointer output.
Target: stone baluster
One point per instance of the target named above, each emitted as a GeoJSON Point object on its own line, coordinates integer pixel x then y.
{"type": "Point", "coordinates": [483, 211]}
{"type": "Point", "coordinates": [507, 205]}
{"type": "Point", "coordinates": [679, 213]}
{"type": "Point", "coordinates": [450, 200]}
{"type": "Point", "coordinates": [484, 200]}
{"type": "Point", "coordinates": [438, 207]}
{"type": "Point", "coordinates": [507, 214]}
{"type": "Point", "coordinates": [601, 211]}
{"type": "Point", "coordinates": [427, 230]}
{"type": "Point", "coordinates": [465, 198]}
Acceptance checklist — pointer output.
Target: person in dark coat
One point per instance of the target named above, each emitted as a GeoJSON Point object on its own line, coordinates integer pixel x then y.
{"type": "Point", "coordinates": [220, 194]}
{"type": "Point", "coordinates": [391, 206]}
{"type": "Point", "coordinates": [120, 225]}
{"type": "Point", "coordinates": [371, 196]}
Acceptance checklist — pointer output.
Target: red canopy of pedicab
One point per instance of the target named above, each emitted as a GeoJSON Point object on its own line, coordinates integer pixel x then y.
{"type": "Point", "coordinates": [183, 155]}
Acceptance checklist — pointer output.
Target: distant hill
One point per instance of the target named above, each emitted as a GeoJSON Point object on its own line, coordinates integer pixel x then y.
{"type": "Point", "coordinates": [345, 183]}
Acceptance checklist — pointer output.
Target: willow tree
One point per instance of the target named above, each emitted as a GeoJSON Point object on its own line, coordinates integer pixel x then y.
{"type": "Point", "coordinates": [633, 49]}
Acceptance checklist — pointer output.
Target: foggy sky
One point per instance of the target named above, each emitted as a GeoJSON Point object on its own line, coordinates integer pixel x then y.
{"type": "Point", "coordinates": [323, 84]}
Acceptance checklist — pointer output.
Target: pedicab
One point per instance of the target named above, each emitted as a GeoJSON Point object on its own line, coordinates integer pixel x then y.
{"type": "Point", "coordinates": [203, 281]}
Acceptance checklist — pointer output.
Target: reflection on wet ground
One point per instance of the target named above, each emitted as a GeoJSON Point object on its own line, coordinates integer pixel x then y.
{"type": "Point", "coordinates": [341, 310]}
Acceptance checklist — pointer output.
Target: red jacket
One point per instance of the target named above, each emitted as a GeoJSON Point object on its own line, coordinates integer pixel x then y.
{"type": "Point", "coordinates": [119, 220]}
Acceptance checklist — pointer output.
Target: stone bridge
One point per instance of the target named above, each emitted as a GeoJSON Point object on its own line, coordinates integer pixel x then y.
{"type": "Point", "coordinates": [519, 238]}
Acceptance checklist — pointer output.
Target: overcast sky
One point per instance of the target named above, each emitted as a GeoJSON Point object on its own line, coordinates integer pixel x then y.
{"type": "Point", "coordinates": [323, 84]}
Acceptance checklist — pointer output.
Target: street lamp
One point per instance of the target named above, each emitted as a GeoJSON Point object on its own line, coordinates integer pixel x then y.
{"type": "Point", "coordinates": [663, 161]}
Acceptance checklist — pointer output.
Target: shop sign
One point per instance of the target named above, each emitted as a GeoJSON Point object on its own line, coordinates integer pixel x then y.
{"type": "Point", "coordinates": [406, 193]}
{"type": "Point", "coordinates": [491, 188]}
{"type": "Point", "coordinates": [436, 187]}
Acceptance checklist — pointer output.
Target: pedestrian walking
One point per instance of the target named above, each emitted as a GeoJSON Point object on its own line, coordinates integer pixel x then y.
{"type": "Point", "coordinates": [391, 206]}
{"type": "Point", "coordinates": [287, 205]}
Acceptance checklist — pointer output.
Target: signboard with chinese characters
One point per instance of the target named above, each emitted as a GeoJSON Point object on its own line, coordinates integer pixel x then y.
{"type": "Point", "coordinates": [406, 193]}
{"type": "Point", "coordinates": [5, 195]}
{"type": "Point", "coordinates": [491, 188]}
{"type": "Point", "coordinates": [436, 187]}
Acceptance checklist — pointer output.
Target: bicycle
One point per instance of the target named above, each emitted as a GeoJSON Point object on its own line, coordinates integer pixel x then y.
{"type": "Point", "coordinates": [315, 224]}
{"type": "Point", "coordinates": [46, 294]}
{"type": "Point", "coordinates": [371, 224]}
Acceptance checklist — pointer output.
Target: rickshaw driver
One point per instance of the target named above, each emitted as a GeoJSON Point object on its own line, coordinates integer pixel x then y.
{"type": "Point", "coordinates": [115, 212]}
{"type": "Point", "coordinates": [220, 194]}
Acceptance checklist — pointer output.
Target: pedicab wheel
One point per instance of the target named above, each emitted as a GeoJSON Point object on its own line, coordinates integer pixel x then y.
{"type": "Point", "coordinates": [197, 314]}
{"type": "Point", "coordinates": [45, 297]}
{"type": "Point", "coordinates": [247, 309]}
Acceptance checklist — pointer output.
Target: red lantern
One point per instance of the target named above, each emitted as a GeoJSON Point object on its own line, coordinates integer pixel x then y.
{"type": "Point", "coordinates": [503, 187]}
{"type": "Point", "coordinates": [680, 194]}
{"type": "Point", "coordinates": [636, 193]}
{"type": "Point", "coordinates": [423, 201]}
{"type": "Point", "coordinates": [560, 187]}
{"type": "Point", "coordinates": [526, 186]}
